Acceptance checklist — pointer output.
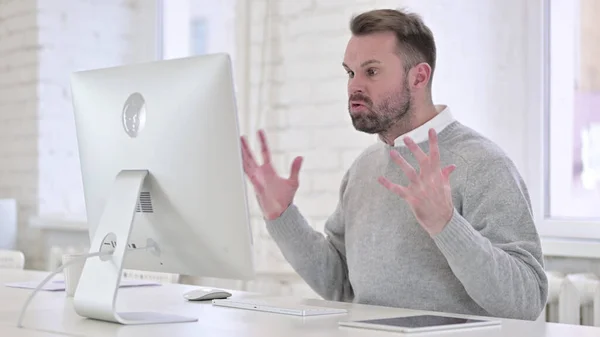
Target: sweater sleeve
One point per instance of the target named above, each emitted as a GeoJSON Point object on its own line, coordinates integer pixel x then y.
{"type": "Point", "coordinates": [319, 259]}
{"type": "Point", "coordinates": [493, 247]}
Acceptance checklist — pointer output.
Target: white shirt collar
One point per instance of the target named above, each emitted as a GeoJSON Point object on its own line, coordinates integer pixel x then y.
{"type": "Point", "coordinates": [438, 123]}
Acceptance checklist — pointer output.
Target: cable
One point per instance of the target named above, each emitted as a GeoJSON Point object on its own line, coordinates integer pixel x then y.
{"type": "Point", "coordinates": [49, 277]}
{"type": "Point", "coordinates": [62, 267]}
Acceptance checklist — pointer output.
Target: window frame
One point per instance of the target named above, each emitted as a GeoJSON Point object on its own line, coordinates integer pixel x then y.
{"type": "Point", "coordinates": [560, 237]}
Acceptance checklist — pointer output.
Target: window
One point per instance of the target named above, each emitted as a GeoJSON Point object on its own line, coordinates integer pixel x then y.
{"type": "Point", "coordinates": [195, 27]}
{"type": "Point", "coordinates": [569, 199]}
{"type": "Point", "coordinates": [199, 32]}
{"type": "Point", "coordinates": [574, 110]}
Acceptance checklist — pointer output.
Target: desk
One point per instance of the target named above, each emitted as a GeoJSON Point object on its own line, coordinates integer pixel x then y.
{"type": "Point", "coordinates": [51, 314]}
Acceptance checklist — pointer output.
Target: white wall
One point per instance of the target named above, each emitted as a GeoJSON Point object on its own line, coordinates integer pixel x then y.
{"type": "Point", "coordinates": [76, 36]}
{"type": "Point", "coordinates": [41, 42]}
{"type": "Point", "coordinates": [18, 109]}
{"type": "Point", "coordinates": [481, 73]}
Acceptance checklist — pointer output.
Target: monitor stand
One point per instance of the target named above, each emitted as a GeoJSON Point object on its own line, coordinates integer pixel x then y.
{"type": "Point", "coordinates": [96, 293]}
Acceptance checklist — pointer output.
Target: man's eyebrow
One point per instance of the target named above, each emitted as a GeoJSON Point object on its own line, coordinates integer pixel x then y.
{"type": "Point", "coordinates": [366, 63]}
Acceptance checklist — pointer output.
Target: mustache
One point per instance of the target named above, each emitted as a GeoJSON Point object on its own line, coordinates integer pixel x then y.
{"type": "Point", "coordinates": [360, 98]}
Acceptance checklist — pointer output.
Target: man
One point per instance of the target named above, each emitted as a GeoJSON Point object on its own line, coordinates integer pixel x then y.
{"type": "Point", "coordinates": [433, 217]}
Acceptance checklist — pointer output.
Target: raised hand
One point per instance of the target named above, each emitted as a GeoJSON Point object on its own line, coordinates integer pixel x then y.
{"type": "Point", "coordinates": [274, 193]}
{"type": "Point", "coordinates": [428, 192]}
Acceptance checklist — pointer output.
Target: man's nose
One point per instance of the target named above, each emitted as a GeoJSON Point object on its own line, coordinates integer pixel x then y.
{"type": "Point", "coordinates": [356, 86]}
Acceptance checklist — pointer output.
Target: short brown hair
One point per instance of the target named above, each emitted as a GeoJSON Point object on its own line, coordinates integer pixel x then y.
{"type": "Point", "coordinates": [415, 39]}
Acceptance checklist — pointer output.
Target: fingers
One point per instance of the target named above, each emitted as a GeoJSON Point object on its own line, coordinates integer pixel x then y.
{"type": "Point", "coordinates": [247, 158]}
{"type": "Point", "coordinates": [447, 171]}
{"type": "Point", "coordinates": [416, 151]}
{"type": "Point", "coordinates": [408, 170]}
{"type": "Point", "coordinates": [434, 151]}
{"type": "Point", "coordinates": [399, 190]}
{"type": "Point", "coordinates": [396, 189]}
{"type": "Point", "coordinates": [264, 147]}
{"type": "Point", "coordinates": [295, 171]}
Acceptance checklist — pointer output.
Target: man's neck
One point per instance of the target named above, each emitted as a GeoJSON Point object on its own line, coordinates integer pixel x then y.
{"type": "Point", "coordinates": [413, 120]}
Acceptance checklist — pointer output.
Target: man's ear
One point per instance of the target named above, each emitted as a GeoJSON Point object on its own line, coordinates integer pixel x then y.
{"type": "Point", "coordinates": [421, 74]}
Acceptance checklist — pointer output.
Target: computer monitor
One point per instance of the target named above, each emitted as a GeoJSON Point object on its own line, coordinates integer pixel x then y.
{"type": "Point", "coordinates": [163, 181]}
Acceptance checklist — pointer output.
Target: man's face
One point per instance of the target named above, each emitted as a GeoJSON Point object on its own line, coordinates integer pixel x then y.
{"type": "Point", "coordinates": [378, 92]}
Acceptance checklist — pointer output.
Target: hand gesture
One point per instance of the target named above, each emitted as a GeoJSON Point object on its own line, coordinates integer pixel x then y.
{"type": "Point", "coordinates": [274, 193]}
{"type": "Point", "coordinates": [428, 192]}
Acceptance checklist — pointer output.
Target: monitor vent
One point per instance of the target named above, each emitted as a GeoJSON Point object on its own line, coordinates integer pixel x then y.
{"type": "Point", "coordinates": [144, 204]}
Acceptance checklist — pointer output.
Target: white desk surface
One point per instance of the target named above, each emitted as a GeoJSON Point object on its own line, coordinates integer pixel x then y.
{"type": "Point", "coordinates": [51, 314]}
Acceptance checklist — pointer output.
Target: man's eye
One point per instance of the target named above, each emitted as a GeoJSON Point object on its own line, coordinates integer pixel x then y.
{"type": "Point", "coordinates": [350, 74]}
{"type": "Point", "coordinates": [372, 72]}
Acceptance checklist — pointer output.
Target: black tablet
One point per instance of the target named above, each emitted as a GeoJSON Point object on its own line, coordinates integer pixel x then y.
{"type": "Point", "coordinates": [421, 323]}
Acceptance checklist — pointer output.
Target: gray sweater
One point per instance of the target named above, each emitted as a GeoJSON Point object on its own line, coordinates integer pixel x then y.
{"type": "Point", "coordinates": [487, 261]}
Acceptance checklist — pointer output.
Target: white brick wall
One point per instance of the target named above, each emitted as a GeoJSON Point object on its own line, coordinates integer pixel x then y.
{"type": "Point", "coordinates": [18, 109]}
{"type": "Point", "coordinates": [76, 36]}
{"type": "Point", "coordinates": [41, 42]}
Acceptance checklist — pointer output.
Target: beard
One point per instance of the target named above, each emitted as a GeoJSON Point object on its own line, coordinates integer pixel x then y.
{"type": "Point", "coordinates": [379, 119]}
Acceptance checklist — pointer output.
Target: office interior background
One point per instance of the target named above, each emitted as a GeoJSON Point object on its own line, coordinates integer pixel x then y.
{"type": "Point", "coordinates": [529, 84]}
